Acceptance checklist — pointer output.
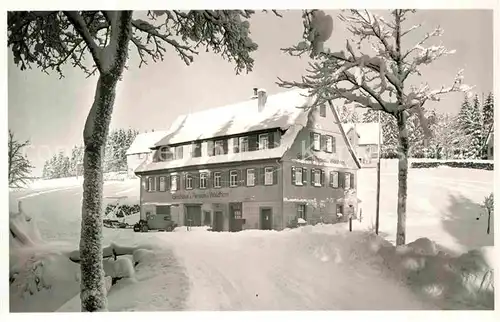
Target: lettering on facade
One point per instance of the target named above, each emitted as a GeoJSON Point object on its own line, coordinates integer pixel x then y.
{"type": "Point", "coordinates": [200, 195]}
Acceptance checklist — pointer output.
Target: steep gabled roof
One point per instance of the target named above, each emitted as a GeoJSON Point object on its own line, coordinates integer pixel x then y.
{"type": "Point", "coordinates": [284, 110]}
{"type": "Point", "coordinates": [367, 132]}
{"type": "Point", "coordinates": [281, 110]}
{"type": "Point", "coordinates": [144, 141]}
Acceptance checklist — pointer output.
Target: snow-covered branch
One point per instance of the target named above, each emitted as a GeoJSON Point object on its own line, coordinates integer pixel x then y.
{"type": "Point", "coordinates": [80, 26]}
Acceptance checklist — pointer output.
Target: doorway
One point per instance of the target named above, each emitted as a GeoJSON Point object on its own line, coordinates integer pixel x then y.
{"type": "Point", "coordinates": [193, 215]}
{"type": "Point", "coordinates": [218, 221]}
{"type": "Point", "coordinates": [236, 220]}
{"type": "Point", "coordinates": [266, 218]}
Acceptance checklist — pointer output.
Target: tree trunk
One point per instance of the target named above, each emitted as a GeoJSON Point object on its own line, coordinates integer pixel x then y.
{"type": "Point", "coordinates": [93, 289]}
{"type": "Point", "coordinates": [402, 177]}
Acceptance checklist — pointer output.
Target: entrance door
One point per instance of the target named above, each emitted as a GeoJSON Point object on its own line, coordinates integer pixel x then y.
{"type": "Point", "coordinates": [235, 217]}
{"type": "Point", "coordinates": [218, 221]}
{"type": "Point", "coordinates": [193, 215]}
{"type": "Point", "coordinates": [266, 218]}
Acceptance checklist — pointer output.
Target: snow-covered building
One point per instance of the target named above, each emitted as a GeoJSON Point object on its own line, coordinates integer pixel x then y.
{"type": "Point", "coordinates": [259, 164]}
{"type": "Point", "coordinates": [139, 150]}
{"type": "Point", "coordinates": [365, 136]}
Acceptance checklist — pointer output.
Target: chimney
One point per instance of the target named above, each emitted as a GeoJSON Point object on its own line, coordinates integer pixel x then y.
{"type": "Point", "coordinates": [261, 99]}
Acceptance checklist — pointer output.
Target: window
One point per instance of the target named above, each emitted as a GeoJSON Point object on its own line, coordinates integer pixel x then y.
{"type": "Point", "coordinates": [263, 141]}
{"type": "Point", "coordinates": [203, 180]}
{"type": "Point", "coordinates": [151, 184]}
{"type": "Point", "coordinates": [217, 180]}
{"type": "Point", "coordinates": [334, 179]}
{"type": "Point", "coordinates": [301, 211]}
{"type": "Point", "coordinates": [329, 144]}
{"type": "Point", "coordinates": [233, 178]}
{"type": "Point", "coordinates": [165, 154]}
{"type": "Point", "coordinates": [250, 177]}
{"type": "Point", "coordinates": [219, 147]}
{"type": "Point", "coordinates": [162, 184]}
{"type": "Point", "coordinates": [189, 181]}
{"type": "Point", "coordinates": [298, 176]}
{"type": "Point", "coordinates": [347, 184]}
{"type": "Point", "coordinates": [173, 183]}
{"type": "Point", "coordinates": [196, 150]}
{"type": "Point", "coordinates": [322, 110]}
{"type": "Point", "coordinates": [317, 177]}
{"type": "Point", "coordinates": [268, 176]}
{"type": "Point", "coordinates": [243, 144]}
{"type": "Point", "coordinates": [340, 210]}
{"type": "Point", "coordinates": [179, 152]}
{"type": "Point", "coordinates": [316, 141]}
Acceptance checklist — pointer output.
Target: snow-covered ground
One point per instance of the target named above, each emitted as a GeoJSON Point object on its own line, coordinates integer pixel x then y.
{"type": "Point", "coordinates": [320, 267]}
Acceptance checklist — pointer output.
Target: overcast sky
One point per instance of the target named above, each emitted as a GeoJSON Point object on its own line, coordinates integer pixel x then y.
{"type": "Point", "coordinates": [51, 112]}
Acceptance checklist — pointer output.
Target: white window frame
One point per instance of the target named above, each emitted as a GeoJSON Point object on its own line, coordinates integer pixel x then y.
{"type": "Point", "coordinates": [163, 186]}
{"type": "Point", "coordinates": [316, 141]}
{"type": "Point", "coordinates": [347, 180]}
{"type": "Point", "coordinates": [265, 138]}
{"type": "Point", "coordinates": [218, 147]}
{"type": "Point", "coordinates": [233, 182]}
{"type": "Point", "coordinates": [203, 180]}
{"type": "Point", "coordinates": [151, 184]}
{"type": "Point", "coordinates": [303, 212]}
{"type": "Point", "coordinates": [174, 182]}
{"type": "Point", "coordinates": [297, 172]}
{"type": "Point", "coordinates": [189, 181]}
{"type": "Point", "coordinates": [243, 144]}
{"type": "Point", "coordinates": [317, 177]}
{"type": "Point", "coordinates": [329, 144]}
{"type": "Point", "coordinates": [250, 177]}
{"type": "Point", "coordinates": [335, 179]}
{"type": "Point", "coordinates": [269, 176]}
{"type": "Point", "coordinates": [217, 180]}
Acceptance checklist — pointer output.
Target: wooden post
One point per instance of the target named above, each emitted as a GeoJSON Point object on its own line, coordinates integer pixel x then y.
{"type": "Point", "coordinates": [377, 208]}
{"type": "Point", "coordinates": [350, 223]}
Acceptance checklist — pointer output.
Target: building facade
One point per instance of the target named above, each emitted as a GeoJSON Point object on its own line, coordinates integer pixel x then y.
{"type": "Point", "coordinates": [260, 164]}
{"type": "Point", "coordinates": [140, 149]}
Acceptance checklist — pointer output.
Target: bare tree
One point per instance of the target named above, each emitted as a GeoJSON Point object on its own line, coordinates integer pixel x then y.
{"type": "Point", "coordinates": [52, 39]}
{"type": "Point", "coordinates": [377, 82]}
{"type": "Point", "coordinates": [19, 165]}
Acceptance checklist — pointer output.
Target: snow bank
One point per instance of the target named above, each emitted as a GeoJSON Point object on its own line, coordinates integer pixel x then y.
{"type": "Point", "coordinates": [451, 282]}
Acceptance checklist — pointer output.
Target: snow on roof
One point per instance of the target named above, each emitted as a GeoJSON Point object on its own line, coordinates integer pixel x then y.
{"type": "Point", "coordinates": [368, 132]}
{"type": "Point", "coordinates": [286, 141]}
{"type": "Point", "coordinates": [281, 111]}
{"type": "Point", "coordinates": [144, 141]}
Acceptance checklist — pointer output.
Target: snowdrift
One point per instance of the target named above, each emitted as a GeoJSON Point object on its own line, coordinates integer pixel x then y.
{"type": "Point", "coordinates": [449, 282]}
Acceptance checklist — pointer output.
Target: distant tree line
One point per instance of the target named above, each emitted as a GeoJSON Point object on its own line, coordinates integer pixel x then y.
{"type": "Point", "coordinates": [115, 158]}
{"type": "Point", "coordinates": [461, 136]}
{"type": "Point", "coordinates": [19, 165]}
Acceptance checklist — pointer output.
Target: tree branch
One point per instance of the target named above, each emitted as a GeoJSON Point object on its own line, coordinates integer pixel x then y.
{"type": "Point", "coordinates": [79, 24]}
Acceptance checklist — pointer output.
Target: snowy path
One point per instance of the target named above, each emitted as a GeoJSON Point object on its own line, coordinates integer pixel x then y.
{"type": "Point", "coordinates": [256, 271]}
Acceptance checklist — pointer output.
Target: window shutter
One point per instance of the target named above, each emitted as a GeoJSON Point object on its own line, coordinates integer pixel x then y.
{"type": "Point", "coordinates": [253, 143]}
{"type": "Point", "coordinates": [210, 148]}
{"type": "Point", "coordinates": [293, 175]}
{"type": "Point", "coordinates": [270, 140]}
{"type": "Point", "coordinates": [181, 155]}
{"type": "Point", "coordinates": [322, 178]}
{"type": "Point", "coordinates": [244, 176]}
{"type": "Point", "coordinates": [341, 179]}
{"type": "Point", "coordinates": [224, 146]}
{"type": "Point", "coordinates": [275, 175]}
{"type": "Point", "coordinates": [157, 182]}
{"type": "Point", "coordinates": [146, 186]}
{"type": "Point", "coordinates": [333, 145]}
{"type": "Point", "coordinates": [236, 145]}
{"type": "Point", "coordinates": [311, 140]}
{"type": "Point", "coordinates": [304, 176]}
{"type": "Point", "coordinates": [352, 181]}
{"type": "Point", "coordinates": [312, 177]}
